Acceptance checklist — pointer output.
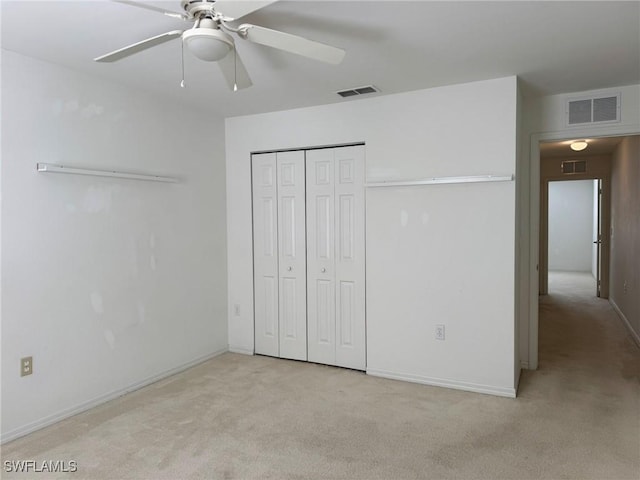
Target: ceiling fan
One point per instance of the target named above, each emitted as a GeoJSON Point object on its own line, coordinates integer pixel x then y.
{"type": "Point", "coordinates": [211, 38]}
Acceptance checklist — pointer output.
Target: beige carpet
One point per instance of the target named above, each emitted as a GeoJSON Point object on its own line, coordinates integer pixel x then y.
{"type": "Point", "coordinates": [257, 417]}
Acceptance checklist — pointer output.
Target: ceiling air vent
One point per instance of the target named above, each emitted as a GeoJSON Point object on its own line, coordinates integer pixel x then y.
{"type": "Point", "coordinates": [358, 91]}
{"type": "Point", "coordinates": [574, 166]}
{"type": "Point", "coordinates": [600, 109]}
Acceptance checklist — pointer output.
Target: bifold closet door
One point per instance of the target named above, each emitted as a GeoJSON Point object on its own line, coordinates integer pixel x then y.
{"type": "Point", "coordinates": [336, 256]}
{"type": "Point", "coordinates": [265, 254]}
{"type": "Point", "coordinates": [279, 254]}
{"type": "Point", "coordinates": [292, 254]}
{"type": "Point", "coordinates": [321, 262]}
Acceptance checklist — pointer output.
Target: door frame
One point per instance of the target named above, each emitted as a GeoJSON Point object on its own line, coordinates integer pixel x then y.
{"type": "Point", "coordinates": [534, 212]}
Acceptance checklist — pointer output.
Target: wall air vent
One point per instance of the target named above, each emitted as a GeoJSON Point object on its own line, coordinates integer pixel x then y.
{"type": "Point", "coordinates": [574, 166]}
{"type": "Point", "coordinates": [351, 92]}
{"type": "Point", "coordinates": [598, 109]}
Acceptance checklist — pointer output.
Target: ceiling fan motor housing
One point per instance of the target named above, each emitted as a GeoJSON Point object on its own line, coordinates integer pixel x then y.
{"type": "Point", "coordinates": [193, 7]}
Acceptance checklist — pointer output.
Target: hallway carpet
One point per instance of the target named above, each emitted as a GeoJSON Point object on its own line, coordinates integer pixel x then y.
{"type": "Point", "coordinates": [241, 417]}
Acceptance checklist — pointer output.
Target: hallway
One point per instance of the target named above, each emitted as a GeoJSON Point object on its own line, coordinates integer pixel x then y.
{"type": "Point", "coordinates": [589, 376]}
{"type": "Point", "coordinates": [582, 333]}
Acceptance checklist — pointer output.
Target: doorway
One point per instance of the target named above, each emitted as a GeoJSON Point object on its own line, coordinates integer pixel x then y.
{"type": "Point", "coordinates": [575, 211]}
{"type": "Point", "coordinates": [538, 279]}
{"type": "Point", "coordinates": [573, 220]}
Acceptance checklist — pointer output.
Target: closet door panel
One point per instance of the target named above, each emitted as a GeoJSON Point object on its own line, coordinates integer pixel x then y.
{"type": "Point", "coordinates": [292, 255]}
{"type": "Point", "coordinates": [265, 254]}
{"type": "Point", "coordinates": [350, 257]}
{"type": "Point", "coordinates": [321, 256]}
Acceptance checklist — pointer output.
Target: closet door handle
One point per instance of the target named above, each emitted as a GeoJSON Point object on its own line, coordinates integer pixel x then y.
{"type": "Point", "coordinates": [289, 269]}
{"type": "Point", "coordinates": [323, 270]}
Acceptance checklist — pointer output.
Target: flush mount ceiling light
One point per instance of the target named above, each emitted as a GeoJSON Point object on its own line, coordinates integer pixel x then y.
{"type": "Point", "coordinates": [579, 145]}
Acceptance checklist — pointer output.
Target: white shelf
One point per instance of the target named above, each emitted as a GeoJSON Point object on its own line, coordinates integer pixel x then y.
{"type": "Point", "coordinates": [442, 180]}
{"type": "Point", "coordinates": [51, 168]}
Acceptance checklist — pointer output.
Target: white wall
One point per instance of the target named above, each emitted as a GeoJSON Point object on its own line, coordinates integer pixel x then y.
{"type": "Point", "coordinates": [625, 233]}
{"type": "Point", "coordinates": [106, 282]}
{"type": "Point", "coordinates": [571, 225]}
{"type": "Point", "coordinates": [435, 255]}
{"type": "Point", "coordinates": [544, 119]}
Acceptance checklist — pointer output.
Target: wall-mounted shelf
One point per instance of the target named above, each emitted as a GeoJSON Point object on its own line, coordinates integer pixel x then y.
{"type": "Point", "coordinates": [441, 180]}
{"type": "Point", "coordinates": [51, 168]}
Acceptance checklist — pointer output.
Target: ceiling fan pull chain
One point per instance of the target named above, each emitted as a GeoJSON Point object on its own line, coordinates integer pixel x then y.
{"type": "Point", "coordinates": [182, 51]}
{"type": "Point", "coordinates": [235, 53]}
{"type": "Point", "coordinates": [235, 69]}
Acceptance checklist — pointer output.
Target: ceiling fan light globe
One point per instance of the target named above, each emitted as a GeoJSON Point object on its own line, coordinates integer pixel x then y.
{"type": "Point", "coordinates": [208, 44]}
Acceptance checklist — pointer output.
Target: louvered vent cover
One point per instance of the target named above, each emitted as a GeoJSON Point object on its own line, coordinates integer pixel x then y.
{"type": "Point", "coordinates": [580, 111]}
{"type": "Point", "coordinates": [358, 91]}
{"type": "Point", "coordinates": [593, 110]}
{"type": "Point", "coordinates": [574, 166]}
{"type": "Point", "coordinates": [605, 109]}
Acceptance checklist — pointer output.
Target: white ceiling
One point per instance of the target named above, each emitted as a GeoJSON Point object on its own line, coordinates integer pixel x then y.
{"type": "Point", "coordinates": [555, 47]}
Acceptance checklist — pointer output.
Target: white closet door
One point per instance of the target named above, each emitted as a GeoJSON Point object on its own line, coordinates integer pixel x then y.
{"type": "Point", "coordinates": [321, 257]}
{"type": "Point", "coordinates": [292, 255]}
{"type": "Point", "coordinates": [265, 253]}
{"type": "Point", "coordinates": [336, 256]}
{"type": "Point", "coordinates": [350, 257]}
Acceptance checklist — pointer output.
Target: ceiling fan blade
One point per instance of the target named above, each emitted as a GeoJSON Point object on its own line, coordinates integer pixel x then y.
{"type": "Point", "coordinates": [139, 47]}
{"type": "Point", "coordinates": [168, 13]}
{"type": "Point", "coordinates": [292, 43]}
{"type": "Point", "coordinates": [234, 71]}
{"type": "Point", "coordinates": [234, 9]}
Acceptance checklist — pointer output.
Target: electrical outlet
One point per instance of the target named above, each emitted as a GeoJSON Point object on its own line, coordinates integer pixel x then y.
{"type": "Point", "coordinates": [439, 332]}
{"type": "Point", "coordinates": [26, 366]}
{"type": "Point", "coordinates": [236, 310]}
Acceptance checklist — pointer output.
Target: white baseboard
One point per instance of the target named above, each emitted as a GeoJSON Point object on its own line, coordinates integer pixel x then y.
{"type": "Point", "coordinates": [634, 334]}
{"type": "Point", "coordinates": [242, 350]}
{"type": "Point", "coordinates": [70, 412]}
{"type": "Point", "coordinates": [524, 365]}
{"type": "Point", "coordinates": [439, 382]}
